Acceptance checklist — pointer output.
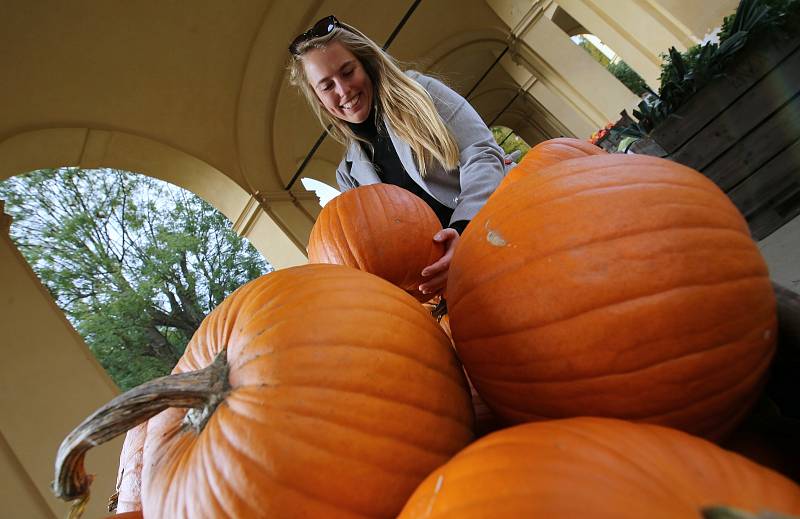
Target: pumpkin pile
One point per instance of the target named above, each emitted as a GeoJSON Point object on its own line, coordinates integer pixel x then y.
{"type": "Point", "coordinates": [613, 306]}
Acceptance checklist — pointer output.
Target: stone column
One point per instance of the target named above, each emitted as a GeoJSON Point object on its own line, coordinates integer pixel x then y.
{"type": "Point", "coordinates": [570, 84]}
{"type": "Point", "coordinates": [641, 31]}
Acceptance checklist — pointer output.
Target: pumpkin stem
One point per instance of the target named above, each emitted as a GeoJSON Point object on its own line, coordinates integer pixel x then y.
{"type": "Point", "coordinates": [440, 310]}
{"type": "Point", "coordinates": [199, 390]}
{"type": "Point", "coordinates": [727, 512]}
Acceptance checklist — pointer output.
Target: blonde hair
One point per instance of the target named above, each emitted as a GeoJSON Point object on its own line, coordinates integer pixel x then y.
{"type": "Point", "coordinates": [407, 106]}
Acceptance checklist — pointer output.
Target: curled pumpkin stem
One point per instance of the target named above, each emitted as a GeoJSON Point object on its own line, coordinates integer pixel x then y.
{"type": "Point", "coordinates": [203, 389]}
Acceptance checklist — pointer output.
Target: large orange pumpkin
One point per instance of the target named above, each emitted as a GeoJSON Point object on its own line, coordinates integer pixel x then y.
{"type": "Point", "coordinates": [599, 468]}
{"type": "Point", "coordinates": [325, 392]}
{"type": "Point", "coordinates": [379, 228]}
{"type": "Point", "coordinates": [547, 153]}
{"type": "Point", "coordinates": [616, 285]}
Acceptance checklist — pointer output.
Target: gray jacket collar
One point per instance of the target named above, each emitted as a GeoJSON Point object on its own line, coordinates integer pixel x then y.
{"type": "Point", "coordinates": [364, 172]}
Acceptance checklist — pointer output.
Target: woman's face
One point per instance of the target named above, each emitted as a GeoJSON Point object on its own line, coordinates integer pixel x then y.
{"type": "Point", "coordinates": [340, 82]}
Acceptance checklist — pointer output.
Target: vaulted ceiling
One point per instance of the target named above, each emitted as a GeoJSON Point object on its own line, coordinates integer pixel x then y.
{"type": "Point", "coordinates": [208, 78]}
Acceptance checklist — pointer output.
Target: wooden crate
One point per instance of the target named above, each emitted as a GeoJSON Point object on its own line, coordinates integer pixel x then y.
{"type": "Point", "coordinates": [743, 132]}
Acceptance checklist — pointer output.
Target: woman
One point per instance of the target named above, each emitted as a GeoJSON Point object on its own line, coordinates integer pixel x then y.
{"type": "Point", "coordinates": [406, 129]}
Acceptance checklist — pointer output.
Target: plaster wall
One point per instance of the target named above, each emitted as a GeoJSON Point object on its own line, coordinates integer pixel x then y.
{"type": "Point", "coordinates": [49, 382]}
{"type": "Point", "coordinates": [699, 18]}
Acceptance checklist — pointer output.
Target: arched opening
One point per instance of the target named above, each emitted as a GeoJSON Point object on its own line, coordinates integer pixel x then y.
{"type": "Point", "coordinates": [89, 148]}
{"type": "Point", "coordinates": [324, 192]}
{"type": "Point", "coordinates": [135, 263]}
{"type": "Point", "coordinates": [513, 145]}
{"type": "Point", "coordinates": [609, 59]}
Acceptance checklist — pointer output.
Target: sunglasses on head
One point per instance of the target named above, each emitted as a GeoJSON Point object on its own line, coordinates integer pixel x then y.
{"type": "Point", "coordinates": [321, 28]}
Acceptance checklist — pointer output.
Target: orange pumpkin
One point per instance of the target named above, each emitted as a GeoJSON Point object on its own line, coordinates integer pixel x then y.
{"type": "Point", "coordinates": [598, 468]}
{"type": "Point", "coordinates": [616, 285]}
{"type": "Point", "coordinates": [546, 154]}
{"type": "Point", "coordinates": [129, 476]}
{"type": "Point", "coordinates": [485, 419]}
{"type": "Point", "coordinates": [381, 229]}
{"type": "Point", "coordinates": [324, 392]}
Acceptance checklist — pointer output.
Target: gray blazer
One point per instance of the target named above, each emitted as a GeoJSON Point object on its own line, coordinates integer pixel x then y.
{"type": "Point", "coordinates": [481, 166]}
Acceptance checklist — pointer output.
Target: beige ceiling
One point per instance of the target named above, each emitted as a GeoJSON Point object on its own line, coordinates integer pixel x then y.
{"type": "Point", "coordinates": [208, 78]}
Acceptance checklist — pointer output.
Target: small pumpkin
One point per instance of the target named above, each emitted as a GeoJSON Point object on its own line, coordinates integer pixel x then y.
{"type": "Point", "coordinates": [623, 286]}
{"type": "Point", "coordinates": [381, 229]}
{"type": "Point", "coordinates": [547, 153]}
{"type": "Point", "coordinates": [316, 391]}
{"type": "Point", "coordinates": [600, 468]}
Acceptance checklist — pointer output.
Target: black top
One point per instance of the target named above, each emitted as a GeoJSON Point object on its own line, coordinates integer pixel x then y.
{"type": "Point", "coordinates": [391, 171]}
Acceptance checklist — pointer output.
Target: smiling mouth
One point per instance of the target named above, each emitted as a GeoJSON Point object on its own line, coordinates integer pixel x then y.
{"type": "Point", "coordinates": [351, 103]}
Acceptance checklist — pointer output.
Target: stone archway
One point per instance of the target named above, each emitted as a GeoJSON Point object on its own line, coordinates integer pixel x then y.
{"type": "Point", "coordinates": [89, 148]}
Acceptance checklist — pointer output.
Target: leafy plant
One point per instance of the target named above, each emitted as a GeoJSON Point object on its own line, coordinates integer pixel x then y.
{"type": "Point", "coordinates": [683, 74]}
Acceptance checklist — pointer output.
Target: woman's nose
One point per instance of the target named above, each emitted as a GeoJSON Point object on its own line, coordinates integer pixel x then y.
{"type": "Point", "coordinates": [342, 89]}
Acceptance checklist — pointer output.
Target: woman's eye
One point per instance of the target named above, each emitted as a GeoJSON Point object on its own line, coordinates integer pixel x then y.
{"type": "Point", "coordinates": [326, 87]}
{"type": "Point", "coordinates": [347, 73]}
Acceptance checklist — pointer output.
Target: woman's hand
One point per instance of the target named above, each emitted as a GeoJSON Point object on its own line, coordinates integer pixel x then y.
{"type": "Point", "coordinates": [437, 272]}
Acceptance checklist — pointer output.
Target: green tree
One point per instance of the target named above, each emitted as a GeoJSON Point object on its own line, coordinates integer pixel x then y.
{"type": "Point", "coordinates": [593, 51]}
{"type": "Point", "coordinates": [628, 77]}
{"type": "Point", "coordinates": [134, 263]}
{"type": "Point", "coordinates": [509, 141]}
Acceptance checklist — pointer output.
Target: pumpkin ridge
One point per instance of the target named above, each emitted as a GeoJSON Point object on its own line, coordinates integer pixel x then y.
{"type": "Point", "coordinates": [591, 166]}
{"type": "Point", "coordinates": [203, 449]}
{"type": "Point", "coordinates": [635, 346]}
{"type": "Point", "coordinates": [438, 413]}
{"type": "Point", "coordinates": [756, 373]}
{"type": "Point", "coordinates": [620, 455]}
{"type": "Point", "coordinates": [298, 295]}
{"type": "Point", "coordinates": [523, 213]}
{"type": "Point", "coordinates": [327, 344]}
{"type": "Point", "coordinates": [360, 304]}
{"type": "Point", "coordinates": [285, 484]}
{"type": "Point", "coordinates": [482, 473]}
{"type": "Point", "coordinates": [510, 268]}
{"type": "Point", "coordinates": [347, 233]}
{"type": "Point", "coordinates": [629, 299]}
{"type": "Point", "coordinates": [400, 439]}
{"type": "Point", "coordinates": [609, 376]}
{"type": "Point", "coordinates": [389, 206]}
{"type": "Point", "coordinates": [669, 226]}
{"type": "Point", "coordinates": [335, 454]}
{"type": "Point", "coordinates": [431, 331]}
{"type": "Point", "coordinates": [676, 479]}
{"type": "Point", "coordinates": [385, 438]}
{"type": "Point", "coordinates": [595, 188]}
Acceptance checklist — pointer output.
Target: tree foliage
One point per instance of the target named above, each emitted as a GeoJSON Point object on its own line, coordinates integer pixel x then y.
{"type": "Point", "coordinates": [134, 263]}
{"type": "Point", "coordinates": [628, 77]}
{"type": "Point", "coordinates": [510, 141]}
{"type": "Point", "coordinates": [593, 51]}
